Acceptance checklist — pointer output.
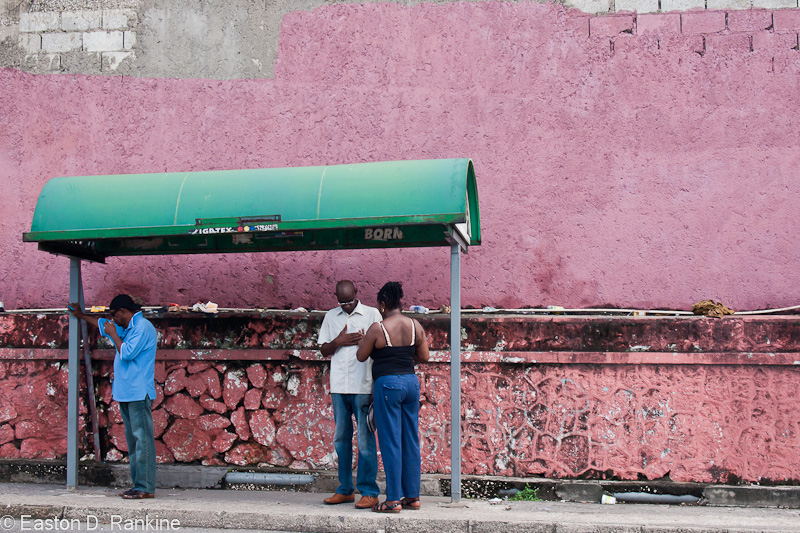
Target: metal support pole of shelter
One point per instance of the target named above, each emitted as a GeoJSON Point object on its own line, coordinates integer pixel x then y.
{"type": "Point", "coordinates": [455, 372]}
{"type": "Point", "coordinates": [74, 374]}
{"type": "Point", "coordinates": [87, 367]}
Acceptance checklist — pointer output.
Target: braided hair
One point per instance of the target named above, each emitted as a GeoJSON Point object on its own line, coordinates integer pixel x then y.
{"type": "Point", "coordinates": [391, 294]}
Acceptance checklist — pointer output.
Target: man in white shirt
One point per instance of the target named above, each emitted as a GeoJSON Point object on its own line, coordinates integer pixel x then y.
{"type": "Point", "coordinates": [351, 391]}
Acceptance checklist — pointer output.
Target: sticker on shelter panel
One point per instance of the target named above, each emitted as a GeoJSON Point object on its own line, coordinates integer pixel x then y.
{"type": "Point", "coordinates": [211, 231]}
{"type": "Point", "coordinates": [238, 229]}
{"type": "Point", "coordinates": [261, 227]}
{"type": "Point", "coordinates": [89, 523]}
{"type": "Point", "coordinates": [383, 234]}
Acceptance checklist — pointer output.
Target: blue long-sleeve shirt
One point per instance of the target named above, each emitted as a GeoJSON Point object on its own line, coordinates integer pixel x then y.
{"type": "Point", "coordinates": [134, 363]}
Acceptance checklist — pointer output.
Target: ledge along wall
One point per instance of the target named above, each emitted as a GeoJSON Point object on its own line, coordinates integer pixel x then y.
{"type": "Point", "coordinates": [633, 160]}
{"type": "Point", "coordinates": [691, 399]}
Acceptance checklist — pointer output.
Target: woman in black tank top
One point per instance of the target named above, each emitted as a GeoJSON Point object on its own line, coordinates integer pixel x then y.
{"type": "Point", "coordinates": [395, 345]}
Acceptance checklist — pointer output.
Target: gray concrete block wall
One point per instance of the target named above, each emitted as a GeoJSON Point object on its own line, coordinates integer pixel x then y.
{"type": "Point", "coordinates": [90, 41]}
{"type": "Point", "coordinates": [128, 40]}
{"type": "Point", "coordinates": [729, 4]}
{"type": "Point", "coordinates": [59, 42]}
{"type": "Point", "coordinates": [30, 22]}
{"type": "Point", "coordinates": [31, 43]}
{"type": "Point", "coordinates": [681, 5]}
{"type": "Point", "coordinates": [118, 19]}
{"type": "Point", "coordinates": [214, 39]}
{"type": "Point", "coordinates": [103, 41]}
{"type": "Point", "coordinates": [591, 6]}
{"type": "Point", "coordinates": [774, 4]}
{"type": "Point", "coordinates": [640, 6]}
{"type": "Point", "coordinates": [81, 20]}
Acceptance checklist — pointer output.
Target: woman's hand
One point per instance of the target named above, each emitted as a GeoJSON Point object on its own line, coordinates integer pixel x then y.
{"type": "Point", "coordinates": [367, 343]}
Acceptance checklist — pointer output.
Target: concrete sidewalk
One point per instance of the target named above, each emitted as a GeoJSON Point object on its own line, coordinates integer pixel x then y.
{"type": "Point", "coordinates": [299, 511]}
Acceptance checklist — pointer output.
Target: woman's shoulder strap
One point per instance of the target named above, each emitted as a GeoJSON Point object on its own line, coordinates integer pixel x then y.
{"type": "Point", "coordinates": [385, 334]}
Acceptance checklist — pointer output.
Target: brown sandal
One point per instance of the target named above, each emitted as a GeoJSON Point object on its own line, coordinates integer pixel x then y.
{"type": "Point", "coordinates": [411, 504]}
{"type": "Point", "coordinates": [384, 507]}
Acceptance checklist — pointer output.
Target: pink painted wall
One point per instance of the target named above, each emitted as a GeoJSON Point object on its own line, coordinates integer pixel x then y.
{"type": "Point", "coordinates": [633, 161]}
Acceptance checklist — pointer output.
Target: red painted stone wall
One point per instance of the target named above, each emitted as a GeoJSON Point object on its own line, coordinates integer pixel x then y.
{"type": "Point", "coordinates": [694, 399]}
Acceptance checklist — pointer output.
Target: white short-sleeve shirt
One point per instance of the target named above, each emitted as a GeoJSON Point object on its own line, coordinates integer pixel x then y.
{"type": "Point", "coordinates": [348, 375]}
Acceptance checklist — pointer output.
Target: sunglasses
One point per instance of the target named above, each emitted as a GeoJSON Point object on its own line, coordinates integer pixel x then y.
{"type": "Point", "coordinates": [348, 303]}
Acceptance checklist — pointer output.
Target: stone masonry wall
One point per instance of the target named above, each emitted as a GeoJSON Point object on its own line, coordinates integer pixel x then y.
{"type": "Point", "coordinates": [612, 398]}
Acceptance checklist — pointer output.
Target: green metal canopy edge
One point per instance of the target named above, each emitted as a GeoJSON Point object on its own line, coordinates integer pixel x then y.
{"type": "Point", "coordinates": [366, 205]}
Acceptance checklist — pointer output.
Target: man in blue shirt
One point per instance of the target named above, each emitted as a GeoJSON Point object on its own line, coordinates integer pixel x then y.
{"type": "Point", "coordinates": [134, 339]}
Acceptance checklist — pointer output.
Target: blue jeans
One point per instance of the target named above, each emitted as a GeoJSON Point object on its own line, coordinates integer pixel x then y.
{"type": "Point", "coordinates": [397, 417]}
{"type": "Point", "coordinates": [344, 407]}
{"type": "Point", "coordinates": [138, 420]}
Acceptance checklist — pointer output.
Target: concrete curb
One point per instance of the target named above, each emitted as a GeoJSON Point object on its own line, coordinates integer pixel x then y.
{"type": "Point", "coordinates": [485, 487]}
{"type": "Point", "coordinates": [753, 496]}
{"type": "Point", "coordinates": [286, 511]}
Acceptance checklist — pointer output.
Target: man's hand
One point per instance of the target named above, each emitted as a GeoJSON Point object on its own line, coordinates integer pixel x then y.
{"type": "Point", "coordinates": [342, 339]}
{"type": "Point", "coordinates": [347, 339]}
{"type": "Point", "coordinates": [111, 331]}
{"type": "Point", "coordinates": [76, 309]}
{"type": "Point", "coordinates": [110, 328]}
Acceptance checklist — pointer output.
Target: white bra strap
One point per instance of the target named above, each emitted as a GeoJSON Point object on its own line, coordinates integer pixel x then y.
{"type": "Point", "coordinates": [385, 334]}
{"type": "Point", "coordinates": [413, 332]}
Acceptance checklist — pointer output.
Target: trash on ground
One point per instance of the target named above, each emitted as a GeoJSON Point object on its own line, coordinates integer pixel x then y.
{"type": "Point", "coordinates": [605, 499]}
{"type": "Point", "coordinates": [208, 307]}
{"type": "Point", "coordinates": [711, 308]}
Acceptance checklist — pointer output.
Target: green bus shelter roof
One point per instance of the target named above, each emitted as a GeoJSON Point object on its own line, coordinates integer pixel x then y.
{"type": "Point", "coordinates": [367, 205]}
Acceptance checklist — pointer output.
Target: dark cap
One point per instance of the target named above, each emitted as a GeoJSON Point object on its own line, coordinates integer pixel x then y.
{"type": "Point", "coordinates": [123, 301]}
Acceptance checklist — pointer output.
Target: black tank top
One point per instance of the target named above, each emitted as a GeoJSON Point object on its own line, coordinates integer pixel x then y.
{"type": "Point", "coordinates": [393, 360]}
